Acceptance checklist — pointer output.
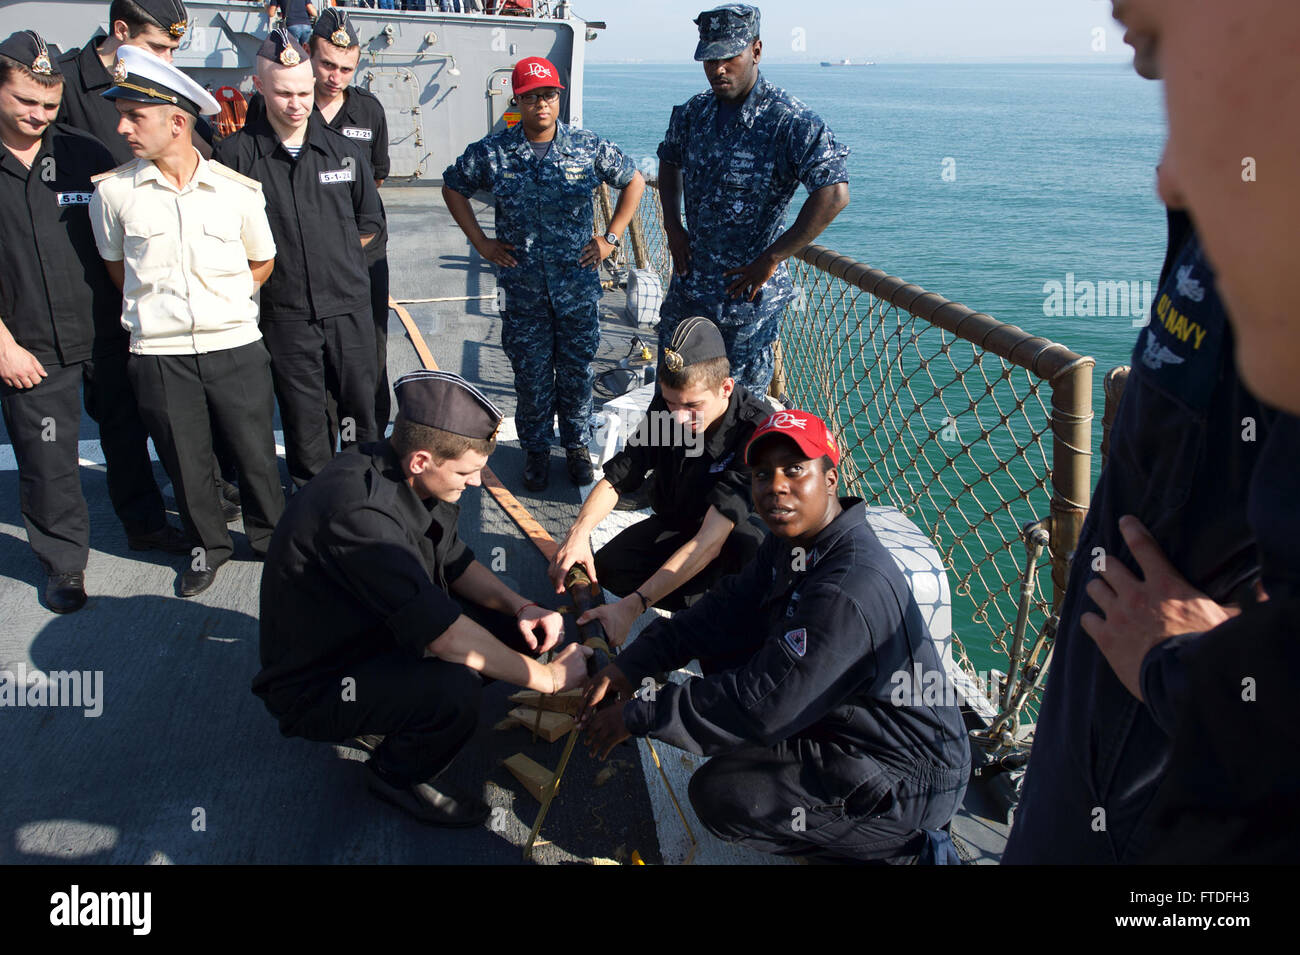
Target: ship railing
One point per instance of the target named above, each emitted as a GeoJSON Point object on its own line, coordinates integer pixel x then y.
{"type": "Point", "coordinates": [978, 430]}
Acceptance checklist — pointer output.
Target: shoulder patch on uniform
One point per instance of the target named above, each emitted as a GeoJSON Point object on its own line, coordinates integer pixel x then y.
{"type": "Point", "coordinates": [223, 170]}
{"type": "Point", "coordinates": [797, 641]}
{"type": "Point", "coordinates": [125, 167]}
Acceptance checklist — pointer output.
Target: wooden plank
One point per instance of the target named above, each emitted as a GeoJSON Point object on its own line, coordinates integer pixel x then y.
{"type": "Point", "coordinates": [551, 726]}
{"type": "Point", "coordinates": [570, 701]}
{"type": "Point", "coordinates": [535, 777]}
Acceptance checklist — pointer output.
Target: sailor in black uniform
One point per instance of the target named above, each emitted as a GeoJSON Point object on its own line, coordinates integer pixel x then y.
{"type": "Point", "coordinates": [835, 731]}
{"type": "Point", "coordinates": [316, 309]}
{"type": "Point", "coordinates": [693, 438]}
{"type": "Point", "coordinates": [377, 619]}
{"type": "Point", "coordinates": [60, 329]}
{"type": "Point", "coordinates": [356, 113]}
{"type": "Point", "coordinates": [154, 25]}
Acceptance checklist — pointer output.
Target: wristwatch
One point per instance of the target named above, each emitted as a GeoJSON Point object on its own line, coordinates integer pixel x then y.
{"type": "Point", "coordinates": [612, 239]}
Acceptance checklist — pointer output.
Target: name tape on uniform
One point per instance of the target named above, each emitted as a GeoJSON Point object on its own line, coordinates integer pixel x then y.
{"type": "Point", "coordinates": [74, 198]}
{"type": "Point", "coordinates": [336, 175]}
{"type": "Point", "coordinates": [356, 132]}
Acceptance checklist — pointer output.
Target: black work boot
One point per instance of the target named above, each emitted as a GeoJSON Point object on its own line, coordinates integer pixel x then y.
{"type": "Point", "coordinates": [65, 593]}
{"type": "Point", "coordinates": [579, 463]}
{"type": "Point", "coordinates": [433, 807]}
{"type": "Point", "coordinates": [537, 470]}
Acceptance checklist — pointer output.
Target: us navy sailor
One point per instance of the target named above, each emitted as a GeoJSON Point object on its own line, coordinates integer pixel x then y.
{"type": "Point", "coordinates": [814, 752]}
{"type": "Point", "coordinates": [737, 154]}
{"type": "Point", "coordinates": [324, 209]}
{"type": "Point", "coordinates": [188, 242]}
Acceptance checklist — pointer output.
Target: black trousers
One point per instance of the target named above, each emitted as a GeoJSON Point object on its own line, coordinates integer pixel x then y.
{"type": "Point", "coordinates": [773, 799]}
{"type": "Point", "coordinates": [183, 399]}
{"type": "Point", "coordinates": [379, 305]}
{"type": "Point", "coordinates": [44, 423]}
{"type": "Point", "coordinates": [427, 709]}
{"type": "Point", "coordinates": [311, 358]}
{"type": "Point", "coordinates": [629, 560]}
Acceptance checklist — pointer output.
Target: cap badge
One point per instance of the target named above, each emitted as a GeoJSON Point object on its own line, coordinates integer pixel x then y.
{"type": "Point", "coordinates": [785, 421]}
{"type": "Point", "coordinates": [289, 56]}
{"type": "Point", "coordinates": [536, 69]}
{"type": "Point", "coordinates": [177, 29]}
{"type": "Point", "coordinates": [340, 37]}
{"type": "Point", "coordinates": [673, 361]}
{"type": "Point", "coordinates": [41, 65]}
{"type": "Point", "coordinates": [120, 72]}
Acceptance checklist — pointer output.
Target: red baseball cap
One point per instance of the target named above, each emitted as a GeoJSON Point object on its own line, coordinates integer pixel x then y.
{"type": "Point", "coordinates": [534, 72]}
{"type": "Point", "coordinates": [804, 429]}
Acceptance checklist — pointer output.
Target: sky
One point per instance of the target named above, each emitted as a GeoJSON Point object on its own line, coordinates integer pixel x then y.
{"type": "Point", "coordinates": [661, 31]}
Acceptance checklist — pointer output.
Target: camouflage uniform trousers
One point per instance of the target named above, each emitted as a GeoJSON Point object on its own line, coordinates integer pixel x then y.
{"type": "Point", "coordinates": [551, 350]}
{"type": "Point", "coordinates": [751, 347]}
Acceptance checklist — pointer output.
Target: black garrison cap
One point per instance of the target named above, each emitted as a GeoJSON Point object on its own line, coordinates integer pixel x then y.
{"type": "Point", "coordinates": [694, 340]}
{"type": "Point", "coordinates": [282, 48]}
{"type": "Point", "coordinates": [439, 399]}
{"type": "Point", "coordinates": [334, 25]}
{"type": "Point", "coordinates": [168, 14]}
{"type": "Point", "coordinates": [725, 31]}
{"type": "Point", "coordinates": [28, 49]}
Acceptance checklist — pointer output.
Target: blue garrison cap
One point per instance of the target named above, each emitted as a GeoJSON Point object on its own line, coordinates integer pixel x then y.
{"type": "Point", "coordinates": [726, 31]}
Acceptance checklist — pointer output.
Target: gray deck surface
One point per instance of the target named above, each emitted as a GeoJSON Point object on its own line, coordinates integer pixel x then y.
{"type": "Point", "coordinates": [182, 739]}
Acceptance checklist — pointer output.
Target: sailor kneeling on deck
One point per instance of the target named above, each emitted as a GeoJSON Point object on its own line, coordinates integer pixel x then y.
{"type": "Point", "coordinates": [813, 753]}
{"type": "Point", "coordinates": [693, 438]}
{"type": "Point", "coordinates": [360, 633]}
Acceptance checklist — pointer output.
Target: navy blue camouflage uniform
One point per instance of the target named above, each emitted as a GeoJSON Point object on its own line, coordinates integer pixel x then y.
{"type": "Point", "coordinates": [1181, 463]}
{"type": "Point", "coordinates": [737, 185]}
{"type": "Point", "coordinates": [809, 718]}
{"type": "Point", "coordinates": [550, 326]}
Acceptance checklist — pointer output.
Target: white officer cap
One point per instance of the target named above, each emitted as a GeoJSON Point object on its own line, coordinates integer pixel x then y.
{"type": "Point", "coordinates": [145, 78]}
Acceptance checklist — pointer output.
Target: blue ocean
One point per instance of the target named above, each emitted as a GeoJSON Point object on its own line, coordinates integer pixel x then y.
{"type": "Point", "coordinates": [1050, 178]}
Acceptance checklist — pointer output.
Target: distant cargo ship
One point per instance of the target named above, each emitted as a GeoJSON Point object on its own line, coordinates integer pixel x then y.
{"type": "Point", "coordinates": [847, 62]}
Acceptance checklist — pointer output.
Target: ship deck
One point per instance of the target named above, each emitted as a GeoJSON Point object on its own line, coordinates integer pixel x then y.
{"type": "Point", "coordinates": [184, 765]}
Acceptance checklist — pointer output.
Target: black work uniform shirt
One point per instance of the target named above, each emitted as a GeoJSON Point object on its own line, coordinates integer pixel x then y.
{"type": "Point", "coordinates": [319, 205]}
{"type": "Point", "coordinates": [831, 637]}
{"type": "Point", "coordinates": [686, 485]}
{"type": "Point", "coordinates": [56, 297]}
{"type": "Point", "coordinates": [83, 106]}
{"type": "Point", "coordinates": [361, 119]}
{"type": "Point", "coordinates": [358, 565]}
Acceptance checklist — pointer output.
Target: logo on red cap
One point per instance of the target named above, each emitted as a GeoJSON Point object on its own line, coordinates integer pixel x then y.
{"type": "Point", "coordinates": [814, 441]}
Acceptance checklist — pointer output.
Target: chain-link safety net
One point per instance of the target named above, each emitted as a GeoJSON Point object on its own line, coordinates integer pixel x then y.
{"type": "Point", "coordinates": [975, 429]}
